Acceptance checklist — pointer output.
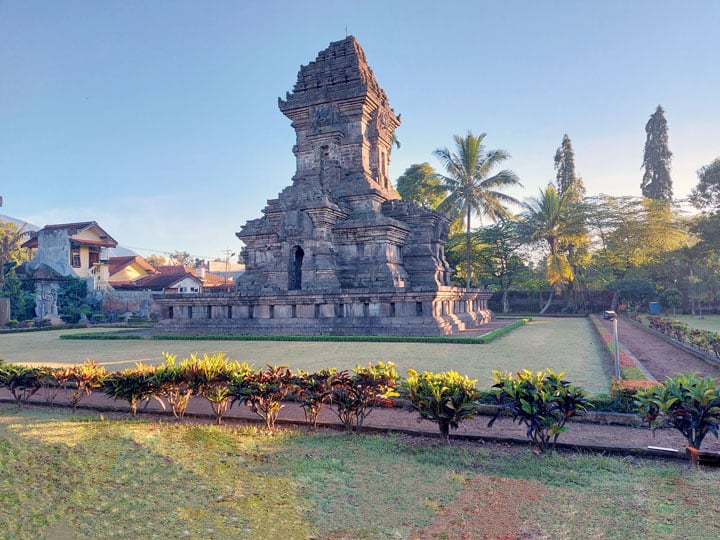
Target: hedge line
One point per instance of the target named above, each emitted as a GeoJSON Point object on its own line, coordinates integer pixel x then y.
{"type": "Point", "coordinates": [362, 339]}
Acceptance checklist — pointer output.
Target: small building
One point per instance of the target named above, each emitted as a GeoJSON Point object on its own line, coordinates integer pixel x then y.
{"type": "Point", "coordinates": [125, 270]}
{"type": "Point", "coordinates": [63, 251]}
{"type": "Point", "coordinates": [169, 283]}
{"type": "Point", "coordinates": [73, 250]}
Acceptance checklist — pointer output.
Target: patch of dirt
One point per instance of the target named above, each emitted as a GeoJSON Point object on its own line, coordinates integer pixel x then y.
{"type": "Point", "coordinates": [486, 508]}
{"type": "Point", "coordinates": [659, 357]}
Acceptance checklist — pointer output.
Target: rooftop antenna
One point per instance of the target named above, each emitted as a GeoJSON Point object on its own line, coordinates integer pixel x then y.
{"type": "Point", "coordinates": [346, 31]}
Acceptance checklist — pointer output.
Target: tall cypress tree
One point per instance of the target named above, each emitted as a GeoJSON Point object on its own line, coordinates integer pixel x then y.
{"type": "Point", "coordinates": [656, 182]}
{"type": "Point", "coordinates": [565, 176]}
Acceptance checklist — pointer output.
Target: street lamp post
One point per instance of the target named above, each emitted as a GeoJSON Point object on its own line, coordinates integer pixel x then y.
{"type": "Point", "coordinates": [612, 316]}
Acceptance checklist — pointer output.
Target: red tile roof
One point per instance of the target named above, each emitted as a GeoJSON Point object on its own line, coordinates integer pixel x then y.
{"type": "Point", "coordinates": [72, 229]}
{"type": "Point", "coordinates": [162, 281]}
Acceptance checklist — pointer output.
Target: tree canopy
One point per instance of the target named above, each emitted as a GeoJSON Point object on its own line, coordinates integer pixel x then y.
{"type": "Point", "coordinates": [706, 195]}
{"type": "Point", "coordinates": [11, 254]}
{"type": "Point", "coordinates": [565, 177]}
{"type": "Point", "coordinates": [656, 181]}
{"type": "Point", "coordinates": [470, 186]}
{"type": "Point", "coordinates": [419, 183]}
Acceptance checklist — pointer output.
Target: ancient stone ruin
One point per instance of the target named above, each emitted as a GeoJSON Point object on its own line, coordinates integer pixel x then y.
{"type": "Point", "coordinates": [338, 252]}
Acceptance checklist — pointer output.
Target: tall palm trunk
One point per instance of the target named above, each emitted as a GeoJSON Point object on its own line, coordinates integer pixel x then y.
{"type": "Point", "coordinates": [467, 247]}
{"type": "Point", "coordinates": [552, 293]}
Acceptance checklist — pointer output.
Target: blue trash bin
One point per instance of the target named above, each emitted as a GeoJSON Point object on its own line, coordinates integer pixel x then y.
{"type": "Point", "coordinates": [654, 308]}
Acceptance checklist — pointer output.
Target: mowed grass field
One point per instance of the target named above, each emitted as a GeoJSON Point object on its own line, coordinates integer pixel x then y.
{"type": "Point", "coordinates": [561, 344]}
{"type": "Point", "coordinates": [85, 477]}
{"type": "Point", "coordinates": [708, 322]}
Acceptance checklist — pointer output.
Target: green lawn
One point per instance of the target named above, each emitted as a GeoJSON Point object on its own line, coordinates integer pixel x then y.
{"type": "Point", "coordinates": [562, 344]}
{"type": "Point", "coordinates": [85, 477]}
{"type": "Point", "coordinates": [708, 322]}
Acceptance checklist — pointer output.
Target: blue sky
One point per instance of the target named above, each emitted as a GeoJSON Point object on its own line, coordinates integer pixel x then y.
{"type": "Point", "coordinates": [159, 119]}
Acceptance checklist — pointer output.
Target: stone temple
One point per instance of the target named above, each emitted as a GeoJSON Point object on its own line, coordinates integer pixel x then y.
{"type": "Point", "coordinates": [338, 252]}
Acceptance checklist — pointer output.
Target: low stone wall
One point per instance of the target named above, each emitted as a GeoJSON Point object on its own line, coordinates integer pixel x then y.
{"type": "Point", "coordinates": [420, 313]}
{"type": "Point", "coordinates": [139, 303]}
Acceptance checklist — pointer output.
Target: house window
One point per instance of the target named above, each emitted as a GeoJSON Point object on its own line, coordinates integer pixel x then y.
{"type": "Point", "coordinates": [229, 312]}
{"type": "Point", "coordinates": [317, 311]}
{"type": "Point", "coordinates": [293, 311]}
{"type": "Point", "coordinates": [209, 312]}
{"type": "Point", "coordinates": [366, 309]}
{"type": "Point", "coordinates": [75, 258]}
{"type": "Point", "coordinates": [189, 312]}
{"type": "Point", "coordinates": [341, 310]}
{"type": "Point", "coordinates": [171, 312]}
{"type": "Point", "coordinates": [392, 309]}
{"type": "Point", "coordinates": [272, 312]}
{"type": "Point", "coordinates": [418, 308]}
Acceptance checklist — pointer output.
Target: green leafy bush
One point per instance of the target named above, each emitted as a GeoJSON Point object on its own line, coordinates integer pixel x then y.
{"type": "Point", "coordinates": [83, 379]}
{"type": "Point", "coordinates": [314, 391]}
{"type": "Point", "coordinates": [173, 383]}
{"type": "Point", "coordinates": [543, 401]}
{"type": "Point", "coordinates": [133, 385]}
{"type": "Point", "coordinates": [209, 377]}
{"type": "Point", "coordinates": [447, 398]}
{"type": "Point", "coordinates": [368, 386]}
{"type": "Point", "coordinates": [263, 391]}
{"type": "Point", "coordinates": [624, 390]}
{"type": "Point", "coordinates": [22, 381]}
{"type": "Point", "coordinates": [52, 381]}
{"type": "Point", "coordinates": [686, 402]}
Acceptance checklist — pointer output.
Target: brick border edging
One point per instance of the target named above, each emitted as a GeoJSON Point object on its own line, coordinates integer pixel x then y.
{"type": "Point", "coordinates": [595, 320]}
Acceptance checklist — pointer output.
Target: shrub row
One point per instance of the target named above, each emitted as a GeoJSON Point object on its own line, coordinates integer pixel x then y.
{"type": "Point", "coordinates": [362, 339]}
{"type": "Point", "coordinates": [702, 340]}
{"type": "Point", "coordinates": [542, 401]}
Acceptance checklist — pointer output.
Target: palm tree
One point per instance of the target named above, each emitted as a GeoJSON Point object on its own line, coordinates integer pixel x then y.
{"type": "Point", "coordinates": [470, 186]}
{"type": "Point", "coordinates": [546, 218]}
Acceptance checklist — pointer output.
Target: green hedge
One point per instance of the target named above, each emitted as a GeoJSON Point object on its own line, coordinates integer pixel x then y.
{"type": "Point", "coordinates": [101, 336]}
{"type": "Point", "coordinates": [363, 339]}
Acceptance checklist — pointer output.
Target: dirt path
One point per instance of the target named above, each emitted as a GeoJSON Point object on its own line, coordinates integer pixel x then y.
{"type": "Point", "coordinates": [659, 357]}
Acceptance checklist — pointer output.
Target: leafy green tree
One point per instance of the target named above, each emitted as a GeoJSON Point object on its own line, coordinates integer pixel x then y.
{"type": "Point", "coordinates": [656, 181]}
{"type": "Point", "coordinates": [156, 260]}
{"type": "Point", "coordinates": [498, 257]}
{"type": "Point", "coordinates": [706, 195]}
{"type": "Point", "coordinates": [22, 301]}
{"type": "Point", "coordinates": [634, 233]}
{"type": "Point", "coordinates": [471, 187]}
{"type": "Point", "coordinates": [181, 257]}
{"type": "Point", "coordinates": [565, 177]}
{"type": "Point", "coordinates": [577, 241]}
{"type": "Point", "coordinates": [546, 219]}
{"type": "Point", "coordinates": [456, 252]}
{"type": "Point", "coordinates": [11, 252]}
{"type": "Point", "coordinates": [72, 300]}
{"type": "Point", "coordinates": [634, 291]}
{"type": "Point", "coordinates": [419, 183]}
